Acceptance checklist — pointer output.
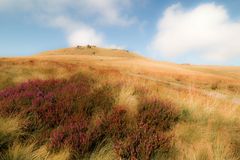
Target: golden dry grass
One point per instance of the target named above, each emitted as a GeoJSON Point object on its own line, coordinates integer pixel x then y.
{"type": "Point", "coordinates": [208, 96]}
{"type": "Point", "coordinates": [31, 152]}
{"type": "Point", "coordinates": [129, 99]}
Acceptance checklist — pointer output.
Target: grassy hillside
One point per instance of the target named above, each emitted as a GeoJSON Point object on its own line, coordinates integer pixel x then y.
{"type": "Point", "coordinates": [96, 103]}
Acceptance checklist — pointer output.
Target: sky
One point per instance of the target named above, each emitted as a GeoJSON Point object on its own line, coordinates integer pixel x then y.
{"type": "Point", "coordinates": [183, 31]}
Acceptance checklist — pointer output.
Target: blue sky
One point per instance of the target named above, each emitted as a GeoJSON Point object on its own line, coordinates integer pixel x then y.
{"type": "Point", "coordinates": [185, 31]}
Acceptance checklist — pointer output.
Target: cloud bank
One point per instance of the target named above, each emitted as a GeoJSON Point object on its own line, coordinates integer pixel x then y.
{"type": "Point", "coordinates": [205, 31]}
{"type": "Point", "coordinates": [70, 16]}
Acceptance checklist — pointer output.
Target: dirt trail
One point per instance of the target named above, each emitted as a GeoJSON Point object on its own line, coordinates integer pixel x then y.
{"type": "Point", "coordinates": [178, 85]}
{"type": "Point", "coordinates": [214, 94]}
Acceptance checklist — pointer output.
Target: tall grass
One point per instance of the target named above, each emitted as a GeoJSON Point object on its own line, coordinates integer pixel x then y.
{"type": "Point", "coordinates": [32, 152]}
{"type": "Point", "coordinates": [10, 130]}
{"type": "Point", "coordinates": [80, 115]}
{"type": "Point", "coordinates": [118, 120]}
{"type": "Point", "coordinates": [105, 152]}
{"type": "Point", "coordinates": [128, 98]}
{"type": "Point", "coordinates": [207, 127]}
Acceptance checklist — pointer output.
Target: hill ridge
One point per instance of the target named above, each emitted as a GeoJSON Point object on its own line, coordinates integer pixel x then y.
{"type": "Point", "coordinates": [91, 50]}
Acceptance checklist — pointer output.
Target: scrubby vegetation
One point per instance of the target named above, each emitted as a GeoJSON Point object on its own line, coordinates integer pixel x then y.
{"type": "Point", "coordinates": [81, 115]}
{"type": "Point", "coordinates": [116, 109]}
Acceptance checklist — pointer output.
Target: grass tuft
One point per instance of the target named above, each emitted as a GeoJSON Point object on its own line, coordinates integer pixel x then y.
{"type": "Point", "coordinates": [10, 129]}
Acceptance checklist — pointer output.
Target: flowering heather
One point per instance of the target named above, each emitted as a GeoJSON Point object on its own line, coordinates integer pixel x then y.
{"type": "Point", "coordinates": [140, 140]}
{"type": "Point", "coordinates": [74, 134]}
{"type": "Point", "coordinates": [49, 102]}
{"type": "Point", "coordinates": [78, 134]}
{"type": "Point", "coordinates": [16, 99]}
{"type": "Point", "coordinates": [64, 113]}
{"type": "Point", "coordinates": [159, 114]}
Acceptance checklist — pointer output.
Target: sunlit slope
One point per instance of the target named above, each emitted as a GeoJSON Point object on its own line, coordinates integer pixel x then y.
{"type": "Point", "coordinates": [207, 97]}
{"type": "Point", "coordinates": [123, 59]}
{"type": "Point", "coordinates": [65, 62]}
{"type": "Point", "coordinates": [129, 63]}
{"type": "Point", "coordinates": [91, 50]}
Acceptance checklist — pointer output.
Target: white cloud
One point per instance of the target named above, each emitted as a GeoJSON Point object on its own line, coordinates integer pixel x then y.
{"type": "Point", "coordinates": [107, 12]}
{"type": "Point", "coordinates": [205, 31]}
{"type": "Point", "coordinates": [80, 33]}
{"type": "Point", "coordinates": [85, 36]}
{"type": "Point", "coordinates": [77, 33]}
{"type": "Point", "coordinates": [70, 16]}
{"type": "Point", "coordinates": [113, 46]}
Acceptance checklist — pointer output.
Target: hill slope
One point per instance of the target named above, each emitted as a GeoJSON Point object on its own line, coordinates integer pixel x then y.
{"type": "Point", "coordinates": [207, 98]}
{"type": "Point", "coordinates": [91, 50]}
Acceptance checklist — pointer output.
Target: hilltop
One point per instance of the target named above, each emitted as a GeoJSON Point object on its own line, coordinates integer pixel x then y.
{"type": "Point", "coordinates": [157, 110]}
{"type": "Point", "coordinates": [91, 50]}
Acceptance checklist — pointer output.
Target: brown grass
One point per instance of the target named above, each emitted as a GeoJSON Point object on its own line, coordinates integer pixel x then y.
{"type": "Point", "coordinates": [208, 96]}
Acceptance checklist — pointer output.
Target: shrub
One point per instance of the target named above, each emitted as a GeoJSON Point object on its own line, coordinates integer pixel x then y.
{"type": "Point", "coordinates": [55, 107]}
{"type": "Point", "coordinates": [73, 134]}
{"type": "Point", "coordinates": [148, 134]}
{"type": "Point", "coordinates": [47, 102]}
{"type": "Point", "coordinates": [65, 111]}
{"type": "Point", "coordinates": [142, 143]}
{"type": "Point", "coordinates": [14, 100]}
{"type": "Point", "coordinates": [78, 134]}
{"type": "Point", "coordinates": [159, 114]}
{"type": "Point", "coordinates": [136, 138]}
{"type": "Point", "coordinates": [116, 124]}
